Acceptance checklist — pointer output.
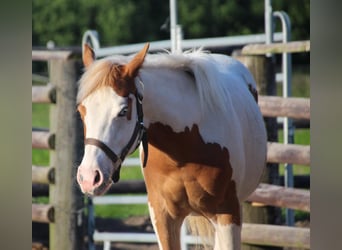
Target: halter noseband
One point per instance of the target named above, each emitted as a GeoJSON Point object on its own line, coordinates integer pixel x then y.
{"type": "Point", "coordinates": [139, 135]}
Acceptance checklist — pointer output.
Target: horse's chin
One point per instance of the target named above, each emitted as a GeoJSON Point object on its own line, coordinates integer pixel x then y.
{"type": "Point", "coordinates": [101, 190]}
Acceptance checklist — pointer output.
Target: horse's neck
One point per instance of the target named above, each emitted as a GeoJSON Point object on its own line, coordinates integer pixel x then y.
{"type": "Point", "coordinates": [169, 98]}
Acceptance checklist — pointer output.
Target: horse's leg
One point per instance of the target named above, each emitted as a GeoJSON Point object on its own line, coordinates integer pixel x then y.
{"type": "Point", "coordinates": [227, 231]}
{"type": "Point", "coordinates": [227, 236]}
{"type": "Point", "coordinates": [166, 227]}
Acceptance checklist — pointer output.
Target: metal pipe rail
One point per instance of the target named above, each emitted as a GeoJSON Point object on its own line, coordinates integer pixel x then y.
{"type": "Point", "coordinates": [157, 46]}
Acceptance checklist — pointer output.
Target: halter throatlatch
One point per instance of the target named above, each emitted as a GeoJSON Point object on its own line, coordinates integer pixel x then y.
{"type": "Point", "coordinates": [139, 135]}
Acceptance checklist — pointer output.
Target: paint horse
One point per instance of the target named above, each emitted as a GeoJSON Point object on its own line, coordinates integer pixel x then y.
{"type": "Point", "coordinates": [202, 136]}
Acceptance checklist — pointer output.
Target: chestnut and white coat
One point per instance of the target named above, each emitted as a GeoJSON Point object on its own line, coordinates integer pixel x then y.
{"type": "Point", "coordinates": [206, 136]}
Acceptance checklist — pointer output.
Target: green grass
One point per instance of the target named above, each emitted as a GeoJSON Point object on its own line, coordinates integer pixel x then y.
{"type": "Point", "coordinates": [120, 211]}
{"type": "Point", "coordinates": [300, 82]}
{"type": "Point", "coordinates": [40, 115]}
{"type": "Point", "coordinates": [40, 119]}
{"type": "Point", "coordinates": [40, 157]}
{"type": "Point", "coordinates": [131, 173]}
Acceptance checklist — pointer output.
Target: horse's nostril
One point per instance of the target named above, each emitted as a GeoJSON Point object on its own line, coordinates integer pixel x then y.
{"type": "Point", "coordinates": [97, 178]}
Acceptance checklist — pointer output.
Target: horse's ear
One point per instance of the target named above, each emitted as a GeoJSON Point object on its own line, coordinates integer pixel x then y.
{"type": "Point", "coordinates": [132, 68]}
{"type": "Point", "coordinates": [88, 55]}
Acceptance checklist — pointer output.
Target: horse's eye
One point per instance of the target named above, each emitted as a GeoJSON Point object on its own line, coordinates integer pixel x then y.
{"type": "Point", "coordinates": [123, 112]}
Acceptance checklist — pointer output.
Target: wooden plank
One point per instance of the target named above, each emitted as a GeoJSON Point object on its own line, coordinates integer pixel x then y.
{"type": "Point", "coordinates": [272, 235]}
{"type": "Point", "coordinates": [45, 55]}
{"type": "Point", "coordinates": [44, 94]}
{"type": "Point", "coordinates": [279, 196]}
{"type": "Point", "coordinates": [288, 153]}
{"type": "Point", "coordinates": [43, 140]}
{"type": "Point", "coordinates": [276, 48]}
{"type": "Point", "coordinates": [43, 213]}
{"type": "Point", "coordinates": [293, 107]}
{"type": "Point", "coordinates": [43, 175]}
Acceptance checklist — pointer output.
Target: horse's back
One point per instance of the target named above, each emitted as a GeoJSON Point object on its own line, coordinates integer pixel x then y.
{"type": "Point", "coordinates": [251, 122]}
{"type": "Point", "coordinates": [243, 131]}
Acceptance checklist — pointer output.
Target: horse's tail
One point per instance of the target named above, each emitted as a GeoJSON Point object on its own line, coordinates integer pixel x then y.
{"type": "Point", "coordinates": [200, 226]}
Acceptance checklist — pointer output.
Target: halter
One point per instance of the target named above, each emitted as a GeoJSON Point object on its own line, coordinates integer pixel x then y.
{"type": "Point", "coordinates": [139, 135]}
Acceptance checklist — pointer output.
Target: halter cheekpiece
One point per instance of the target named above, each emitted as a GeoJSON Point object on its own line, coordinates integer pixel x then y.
{"type": "Point", "coordinates": [139, 135]}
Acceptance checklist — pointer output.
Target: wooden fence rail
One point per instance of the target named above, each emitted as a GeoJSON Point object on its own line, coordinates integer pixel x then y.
{"type": "Point", "coordinates": [43, 175]}
{"type": "Point", "coordinates": [276, 48]}
{"type": "Point", "coordinates": [279, 196]}
{"type": "Point", "coordinates": [272, 235]}
{"type": "Point", "coordinates": [46, 55]}
{"type": "Point", "coordinates": [288, 153]}
{"type": "Point", "coordinates": [275, 106]}
{"type": "Point", "coordinates": [44, 94]}
{"type": "Point", "coordinates": [43, 213]}
{"type": "Point", "coordinates": [43, 140]}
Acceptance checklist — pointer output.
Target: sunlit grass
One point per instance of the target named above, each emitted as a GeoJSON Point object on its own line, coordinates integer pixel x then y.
{"type": "Point", "coordinates": [120, 211]}
{"type": "Point", "coordinates": [40, 115]}
{"type": "Point", "coordinates": [40, 119]}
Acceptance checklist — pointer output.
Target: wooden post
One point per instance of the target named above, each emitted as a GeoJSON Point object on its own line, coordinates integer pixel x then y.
{"type": "Point", "coordinates": [65, 196]}
{"type": "Point", "coordinates": [262, 69]}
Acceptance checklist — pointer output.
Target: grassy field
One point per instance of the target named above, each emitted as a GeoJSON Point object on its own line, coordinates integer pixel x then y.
{"type": "Point", "coordinates": [40, 119]}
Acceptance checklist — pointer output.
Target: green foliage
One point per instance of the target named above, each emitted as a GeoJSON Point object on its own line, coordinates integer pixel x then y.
{"type": "Point", "coordinates": [299, 12]}
{"type": "Point", "coordinates": [219, 18]}
{"type": "Point", "coordinates": [130, 21]}
{"type": "Point", "coordinates": [120, 21]}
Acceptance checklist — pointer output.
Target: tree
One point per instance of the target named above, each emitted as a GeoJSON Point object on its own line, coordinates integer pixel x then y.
{"type": "Point", "coordinates": [131, 21]}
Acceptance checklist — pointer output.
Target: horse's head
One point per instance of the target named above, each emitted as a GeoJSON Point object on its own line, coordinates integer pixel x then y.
{"type": "Point", "coordinates": [110, 107]}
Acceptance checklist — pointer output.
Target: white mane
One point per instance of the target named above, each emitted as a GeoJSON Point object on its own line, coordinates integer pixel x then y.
{"type": "Point", "coordinates": [207, 71]}
{"type": "Point", "coordinates": [217, 76]}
